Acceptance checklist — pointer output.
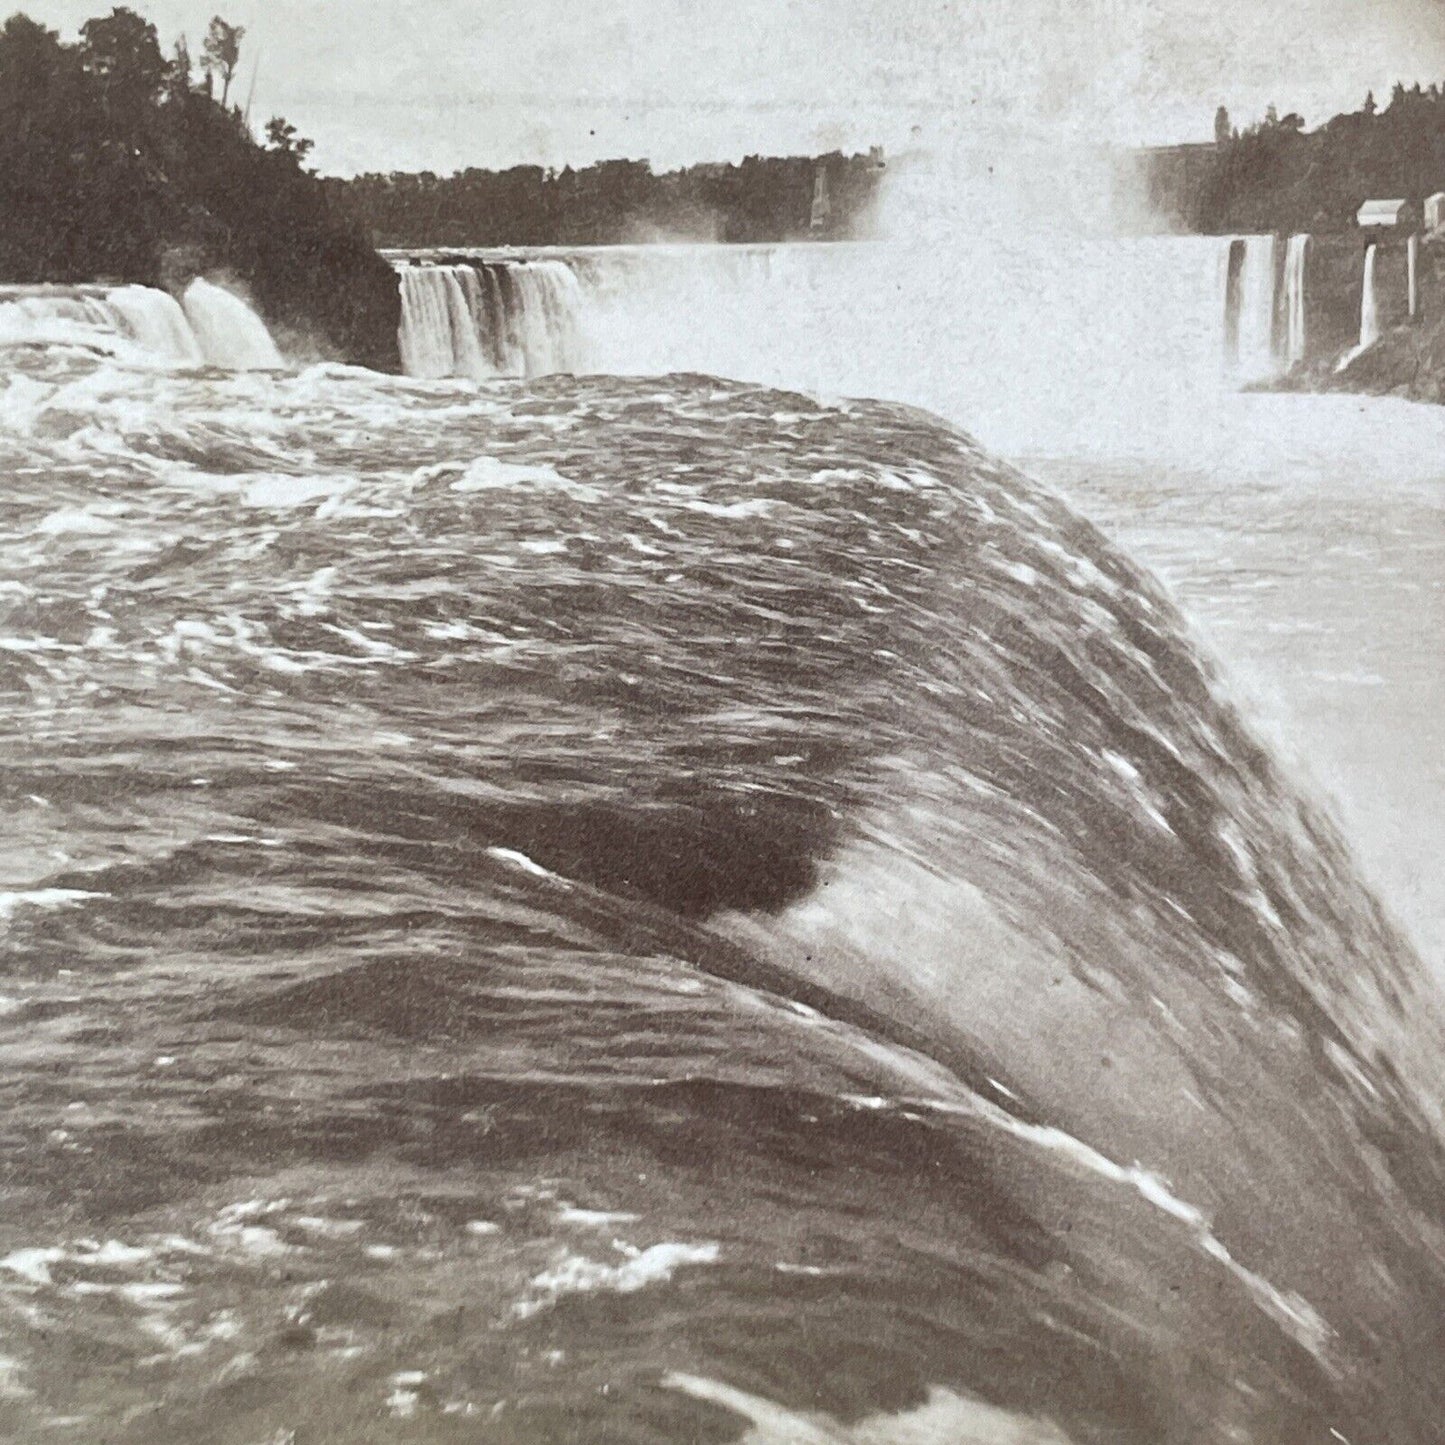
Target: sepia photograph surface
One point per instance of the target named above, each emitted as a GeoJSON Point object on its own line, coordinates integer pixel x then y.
{"type": "Point", "coordinates": [722, 722]}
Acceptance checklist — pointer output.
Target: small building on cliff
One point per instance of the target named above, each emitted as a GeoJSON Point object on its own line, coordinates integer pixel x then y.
{"type": "Point", "coordinates": [1385, 215]}
{"type": "Point", "coordinates": [1435, 211]}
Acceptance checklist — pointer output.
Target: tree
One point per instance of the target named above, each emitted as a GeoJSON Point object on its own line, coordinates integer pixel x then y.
{"type": "Point", "coordinates": [1221, 126]}
{"type": "Point", "coordinates": [282, 138]}
{"type": "Point", "coordinates": [178, 74]}
{"type": "Point", "coordinates": [40, 82]}
{"type": "Point", "coordinates": [1370, 107]}
{"type": "Point", "coordinates": [221, 53]}
{"type": "Point", "coordinates": [123, 56]}
{"type": "Point", "coordinates": [1271, 115]}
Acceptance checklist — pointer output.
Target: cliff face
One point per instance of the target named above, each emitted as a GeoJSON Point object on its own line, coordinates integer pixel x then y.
{"type": "Point", "coordinates": [322, 293]}
{"type": "Point", "coordinates": [1408, 359]}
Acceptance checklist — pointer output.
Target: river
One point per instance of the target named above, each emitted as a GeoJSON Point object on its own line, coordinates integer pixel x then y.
{"type": "Point", "coordinates": [647, 907]}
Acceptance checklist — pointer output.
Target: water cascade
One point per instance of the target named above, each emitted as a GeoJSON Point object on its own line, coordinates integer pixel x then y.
{"type": "Point", "coordinates": [229, 333]}
{"type": "Point", "coordinates": [1232, 267]}
{"type": "Point", "coordinates": [140, 323]}
{"type": "Point", "coordinates": [850, 319]}
{"type": "Point", "coordinates": [1412, 270]}
{"type": "Point", "coordinates": [1369, 311]}
{"type": "Point", "coordinates": [1257, 356]}
{"type": "Point", "coordinates": [433, 314]}
{"type": "Point", "coordinates": [1296, 259]}
{"type": "Point", "coordinates": [490, 318]}
{"type": "Point", "coordinates": [155, 319]}
{"type": "Point", "coordinates": [1369, 302]}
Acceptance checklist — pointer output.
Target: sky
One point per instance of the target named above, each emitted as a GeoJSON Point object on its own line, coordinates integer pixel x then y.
{"type": "Point", "coordinates": [443, 84]}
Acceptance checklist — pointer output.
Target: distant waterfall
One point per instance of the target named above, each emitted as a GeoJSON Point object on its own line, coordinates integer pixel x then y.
{"type": "Point", "coordinates": [960, 329]}
{"type": "Point", "coordinates": [1257, 356]}
{"type": "Point", "coordinates": [230, 334]}
{"type": "Point", "coordinates": [1233, 269]}
{"type": "Point", "coordinates": [1369, 312]}
{"type": "Point", "coordinates": [1296, 258]}
{"type": "Point", "coordinates": [490, 318]}
{"type": "Point", "coordinates": [1369, 302]}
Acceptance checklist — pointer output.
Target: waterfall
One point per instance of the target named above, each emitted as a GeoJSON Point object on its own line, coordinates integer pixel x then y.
{"type": "Point", "coordinates": [549, 307]}
{"type": "Point", "coordinates": [426, 329]}
{"type": "Point", "coordinates": [1257, 356]}
{"type": "Point", "coordinates": [140, 323]}
{"type": "Point", "coordinates": [1369, 302]}
{"type": "Point", "coordinates": [155, 320]}
{"type": "Point", "coordinates": [1233, 268]}
{"type": "Point", "coordinates": [1296, 258]}
{"type": "Point", "coordinates": [1369, 312]}
{"type": "Point", "coordinates": [229, 333]}
{"type": "Point", "coordinates": [490, 318]}
{"type": "Point", "coordinates": [58, 316]}
{"type": "Point", "coordinates": [1035, 343]}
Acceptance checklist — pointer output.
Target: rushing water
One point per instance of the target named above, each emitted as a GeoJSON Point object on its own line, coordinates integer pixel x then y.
{"type": "Point", "coordinates": [645, 910]}
{"type": "Point", "coordinates": [1296, 261]}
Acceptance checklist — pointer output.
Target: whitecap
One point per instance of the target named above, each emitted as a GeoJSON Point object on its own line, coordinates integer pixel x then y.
{"type": "Point", "coordinates": [577, 1274]}
{"type": "Point", "coordinates": [43, 898]}
{"type": "Point", "coordinates": [943, 1419]}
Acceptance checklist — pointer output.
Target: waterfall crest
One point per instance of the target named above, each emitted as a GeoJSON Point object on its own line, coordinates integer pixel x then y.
{"type": "Point", "coordinates": [490, 318]}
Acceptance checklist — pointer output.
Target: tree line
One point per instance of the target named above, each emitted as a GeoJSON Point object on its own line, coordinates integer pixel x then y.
{"type": "Point", "coordinates": [120, 162]}
{"type": "Point", "coordinates": [762, 199]}
{"type": "Point", "coordinates": [1274, 175]}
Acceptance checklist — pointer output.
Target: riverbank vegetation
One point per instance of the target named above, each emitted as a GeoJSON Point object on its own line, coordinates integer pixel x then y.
{"type": "Point", "coordinates": [119, 162]}
{"type": "Point", "coordinates": [761, 200]}
{"type": "Point", "coordinates": [1275, 175]}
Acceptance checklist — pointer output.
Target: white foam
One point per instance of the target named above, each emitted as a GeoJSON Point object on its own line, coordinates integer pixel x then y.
{"type": "Point", "coordinates": [43, 898]}
{"type": "Point", "coordinates": [228, 331]}
{"type": "Point", "coordinates": [32, 1264]}
{"type": "Point", "coordinates": [514, 859]}
{"type": "Point", "coordinates": [944, 1419]}
{"type": "Point", "coordinates": [594, 1218]}
{"type": "Point", "coordinates": [577, 1274]}
{"type": "Point", "coordinates": [487, 474]}
{"type": "Point", "coordinates": [282, 491]}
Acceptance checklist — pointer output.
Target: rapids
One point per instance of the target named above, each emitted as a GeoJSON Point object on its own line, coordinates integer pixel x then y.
{"type": "Point", "coordinates": [576, 909]}
{"type": "Point", "coordinates": [606, 909]}
{"type": "Point", "coordinates": [210, 325]}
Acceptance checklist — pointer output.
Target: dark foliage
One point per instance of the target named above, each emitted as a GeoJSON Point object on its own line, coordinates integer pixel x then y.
{"type": "Point", "coordinates": [112, 165]}
{"type": "Point", "coordinates": [763, 199]}
{"type": "Point", "coordinates": [1276, 176]}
